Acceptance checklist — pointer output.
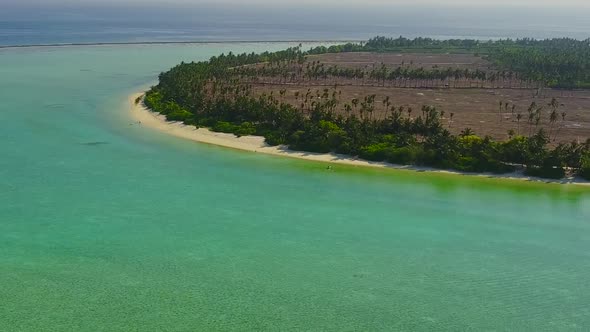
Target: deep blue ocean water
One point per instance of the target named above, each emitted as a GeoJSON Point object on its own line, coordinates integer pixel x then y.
{"type": "Point", "coordinates": [30, 25]}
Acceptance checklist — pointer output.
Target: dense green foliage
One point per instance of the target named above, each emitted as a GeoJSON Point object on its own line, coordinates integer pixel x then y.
{"type": "Point", "coordinates": [585, 168]}
{"type": "Point", "coordinates": [558, 63]}
{"type": "Point", "coordinates": [561, 63]}
{"type": "Point", "coordinates": [213, 94]}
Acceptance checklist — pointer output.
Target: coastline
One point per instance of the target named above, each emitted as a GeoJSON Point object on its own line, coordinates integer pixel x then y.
{"type": "Point", "coordinates": [139, 113]}
{"type": "Point", "coordinates": [189, 42]}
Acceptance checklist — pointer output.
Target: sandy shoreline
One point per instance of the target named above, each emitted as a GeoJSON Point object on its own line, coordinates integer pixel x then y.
{"type": "Point", "coordinates": [155, 121]}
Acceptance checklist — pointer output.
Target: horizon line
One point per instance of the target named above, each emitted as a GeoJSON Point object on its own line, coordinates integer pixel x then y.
{"type": "Point", "coordinates": [331, 40]}
{"type": "Point", "coordinates": [185, 42]}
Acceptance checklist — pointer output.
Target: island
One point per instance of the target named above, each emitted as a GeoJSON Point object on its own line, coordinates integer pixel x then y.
{"type": "Point", "coordinates": [472, 106]}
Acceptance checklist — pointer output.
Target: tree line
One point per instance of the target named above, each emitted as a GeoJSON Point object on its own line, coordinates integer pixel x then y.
{"type": "Point", "coordinates": [556, 63]}
{"type": "Point", "coordinates": [404, 76]}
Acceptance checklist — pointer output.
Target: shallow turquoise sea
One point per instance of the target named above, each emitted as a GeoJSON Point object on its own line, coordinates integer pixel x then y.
{"type": "Point", "coordinates": [105, 225]}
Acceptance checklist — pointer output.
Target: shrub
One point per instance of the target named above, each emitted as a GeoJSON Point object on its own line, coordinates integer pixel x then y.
{"type": "Point", "coordinates": [546, 164]}
{"type": "Point", "coordinates": [191, 122]}
{"type": "Point", "coordinates": [404, 156]}
{"type": "Point", "coordinates": [546, 171]}
{"type": "Point", "coordinates": [245, 129]}
{"type": "Point", "coordinates": [467, 164]}
{"type": "Point", "coordinates": [273, 138]}
{"type": "Point", "coordinates": [375, 152]}
{"type": "Point", "coordinates": [345, 147]}
{"type": "Point", "coordinates": [585, 169]}
{"type": "Point", "coordinates": [179, 115]}
{"type": "Point", "coordinates": [224, 127]}
{"type": "Point", "coordinates": [153, 100]}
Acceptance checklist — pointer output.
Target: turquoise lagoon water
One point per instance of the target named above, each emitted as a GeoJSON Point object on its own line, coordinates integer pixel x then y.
{"type": "Point", "coordinates": [105, 225]}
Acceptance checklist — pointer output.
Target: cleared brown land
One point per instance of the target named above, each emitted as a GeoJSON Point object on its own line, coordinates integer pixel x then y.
{"type": "Point", "coordinates": [475, 108]}
{"type": "Point", "coordinates": [393, 60]}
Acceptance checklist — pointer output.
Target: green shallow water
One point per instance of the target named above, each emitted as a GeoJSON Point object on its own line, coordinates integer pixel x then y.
{"type": "Point", "coordinates": [108, 226]}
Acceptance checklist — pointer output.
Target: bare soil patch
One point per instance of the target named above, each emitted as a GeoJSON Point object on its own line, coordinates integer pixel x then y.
{"type": "Point", "coordinates": [471, 105]}
{"type": "Point", "coordinates": [393, 60]}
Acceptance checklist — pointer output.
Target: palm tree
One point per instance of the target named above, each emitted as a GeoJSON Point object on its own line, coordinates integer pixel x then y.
{"type": "Point", "coordinates": [563, 115]}
{"type": "Point", "coordinates": [510, 133]}
{"type": "Point", "coordinates": [554, 104]}
{"type": "Point", "coordinates": [386, 103]}
{"type": "Point", "coordinates": [348, 109]}
{"type": "Point", "coordinates": [531, 117]}
{"type": "Point", "coordinates": [355, 103]}
{"type": "Point", "coordinates": [552, 119]}
{"type": "Point", "coordinates": [518, 118]}
{"type": "Point", "coordinates": [466, 132]}
{"type": "Point", "coordinates": [538, 117]}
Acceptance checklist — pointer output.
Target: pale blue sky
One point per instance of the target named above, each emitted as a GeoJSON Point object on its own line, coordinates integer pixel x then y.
{"type": "Point", "coordinates": [565, 4]}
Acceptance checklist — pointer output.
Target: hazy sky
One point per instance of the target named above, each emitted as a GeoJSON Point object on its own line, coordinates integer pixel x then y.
{"type": "Point", "coordinates": [565, 4]}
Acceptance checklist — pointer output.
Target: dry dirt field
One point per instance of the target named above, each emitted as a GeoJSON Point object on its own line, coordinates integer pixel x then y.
{"type": "Point", "coordinates": [475, 108]}
{"type": "Point", "coordinates": [394, 60]}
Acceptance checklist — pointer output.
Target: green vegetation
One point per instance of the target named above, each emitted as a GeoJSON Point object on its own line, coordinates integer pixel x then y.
{"type": "Point", "coordinates": [217, 94]}
{"type": "Point", "coordinates": [585, 168]}
{"type": "Point", "coordinates": [556, 63]}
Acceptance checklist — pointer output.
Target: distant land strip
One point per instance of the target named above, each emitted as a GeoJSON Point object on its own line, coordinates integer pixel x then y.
{"type": "Point", "coordinates": [178, 43]}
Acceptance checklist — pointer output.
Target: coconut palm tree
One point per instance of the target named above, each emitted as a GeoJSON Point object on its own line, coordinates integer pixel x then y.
{"type": "Point", "coordinates": [355, 103]}
{"type": "Point", "coordinates": [518, 118]}
{"type": "Point", "coordinates": [466, 132]}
